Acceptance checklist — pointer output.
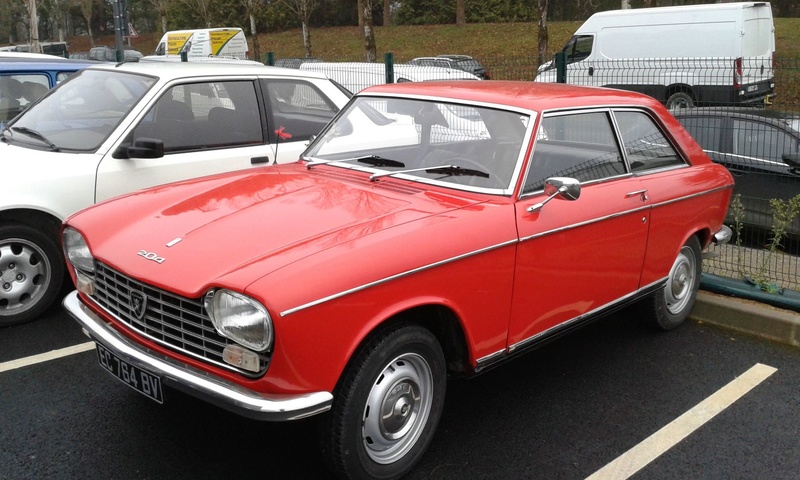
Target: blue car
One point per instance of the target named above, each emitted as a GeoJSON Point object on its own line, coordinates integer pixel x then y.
{"type": "Point", "coordinates": [26, 77]}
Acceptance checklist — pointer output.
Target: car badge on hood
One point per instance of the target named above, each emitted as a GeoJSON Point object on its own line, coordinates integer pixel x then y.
{"type": "Point", "coordinates": [151, 256]}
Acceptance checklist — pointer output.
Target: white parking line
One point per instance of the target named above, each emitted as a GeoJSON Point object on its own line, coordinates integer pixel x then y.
{"type": "Point", "coordinates": [651, 448]}
{"type": "Point", "coordinates": [45, 357]}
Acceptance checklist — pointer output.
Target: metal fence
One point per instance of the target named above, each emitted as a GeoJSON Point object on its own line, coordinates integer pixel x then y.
{"type": "Point", "coordinates": [744, 112]}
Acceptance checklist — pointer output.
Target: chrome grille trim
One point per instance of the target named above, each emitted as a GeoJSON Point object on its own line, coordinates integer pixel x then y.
{"type": "Point", "coordinates": [178, 323]}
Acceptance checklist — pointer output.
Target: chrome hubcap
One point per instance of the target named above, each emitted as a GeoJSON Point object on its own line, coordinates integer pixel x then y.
{"type": "Point", "coordinates": [397, 408]}
{"type": "Point", "coordinates": [24, 273]}
{"type": "Point", "coordinates": [681, 281]}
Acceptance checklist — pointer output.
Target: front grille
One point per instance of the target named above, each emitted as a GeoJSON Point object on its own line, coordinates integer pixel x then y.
{"type": "Point", "coordinates": [178, 323]}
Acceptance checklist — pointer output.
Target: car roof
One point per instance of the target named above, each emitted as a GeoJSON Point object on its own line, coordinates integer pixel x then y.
{"type": "Point", "coordinates": [530, 95]}
{"type": "Point", "coordinates": [174, 70]}
{"type": "Point", "coordinates": [752, 113]}
{"type": "Point", "coordinates": [42, 62]}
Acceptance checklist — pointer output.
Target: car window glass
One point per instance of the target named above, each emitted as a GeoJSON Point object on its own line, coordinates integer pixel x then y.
{"type": "Point", "coordinates": [580, 146]}
{"type": "Point", "coordinates": [760, 141]}
{"type": "Point", "coordinates": [204, 115]}
{"type": "Point", "coordinates": [645, 144]}
{"type": "Point", "coordinates": [298, 110]}
{"type": "Point", "coordinates": [707, 131]}
{"type": "Point", "coordinates": [578, 48]}
{"type": "Point", "coordinates": [18, 91]}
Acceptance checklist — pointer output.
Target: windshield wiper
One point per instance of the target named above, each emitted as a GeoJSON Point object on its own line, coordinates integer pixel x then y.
{"type": "Point", "coordinates": [373, 160]}
{"type": "Point", "coordinates": [449, 170]}
{"type": "Point", "coordinates": [33, 133]}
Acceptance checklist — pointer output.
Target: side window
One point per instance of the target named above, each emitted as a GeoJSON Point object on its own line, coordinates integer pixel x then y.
{"type": "Point", "coordinates": [580, 146]}
{"type": "Point", "coordinates": [761, 141]}
{"type": "Point", "coordinates": [578, 48]}
{"type": "Point", "coordinates": [204, 115]}
{"type": "Point", "coordinates": [297, 109]}
{"type": "Point", "coordinates": [645, 144]}
{"type": "Point", "coordinates": [18, 91]}
{"type": "Point", "coordinates": [707, 131]}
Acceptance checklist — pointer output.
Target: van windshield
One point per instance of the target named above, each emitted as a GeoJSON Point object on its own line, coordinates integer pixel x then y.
{"type": "Point", "coordinates": [82, 112]}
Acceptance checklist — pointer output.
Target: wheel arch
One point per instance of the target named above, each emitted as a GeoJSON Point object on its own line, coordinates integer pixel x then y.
{"type": "Point", "coordinates": [679, 88]}
{"type": "Point", "coordinates": [40, 220]}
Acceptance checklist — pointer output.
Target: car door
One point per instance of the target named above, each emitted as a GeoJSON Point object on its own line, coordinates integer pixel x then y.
{"type": "Point", "coordinates": [297, 110]}
{"type": "Point", "coordinates": [206, 127]}
{"type": "Point", "coordinates": [576, 257]}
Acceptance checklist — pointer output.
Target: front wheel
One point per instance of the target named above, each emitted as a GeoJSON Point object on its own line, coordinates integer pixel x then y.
{"type": "Point", "coordinates": [387, 405]}
{"type": "Point", "coordinates": [669, 307]}
{"type": "Point", "coordinates": [679, 100]}
{"type": "Point", "coordinates": [31, 273]}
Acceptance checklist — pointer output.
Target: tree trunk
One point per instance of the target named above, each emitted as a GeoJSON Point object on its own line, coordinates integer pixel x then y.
{"type": "Point", "coordinates": [543, 36]}
{"type": "Point", "coordinates": [370, 51]}
{"type": "Point", "coordinates": [461, 18]}
{"type": "Point", "coordinates": [306, 39]}
{"type": "Point", "coordinates": [361, 13]}
{"type": "Point", "coordinates": [254, 33]}
{"type": "Point", "coordinates": [387, 13]}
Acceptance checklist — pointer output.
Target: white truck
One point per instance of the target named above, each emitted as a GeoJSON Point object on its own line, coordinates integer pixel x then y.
{"type": "Point", "coordinates": [205, 42]}
{"type": "Point", "coordinates": [715, 54]}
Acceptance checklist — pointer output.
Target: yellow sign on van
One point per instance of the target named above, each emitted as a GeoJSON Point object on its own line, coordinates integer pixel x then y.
{"type": "Point", "coordinates": [176, 41]}
{"type": "Point", "coordinates": [219, 38]}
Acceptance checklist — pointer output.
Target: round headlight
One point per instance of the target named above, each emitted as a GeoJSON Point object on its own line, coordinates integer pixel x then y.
{"type": "Point", "coordinates": [77, 251]}
{"type": "Point", "coordinates": [240, 318]}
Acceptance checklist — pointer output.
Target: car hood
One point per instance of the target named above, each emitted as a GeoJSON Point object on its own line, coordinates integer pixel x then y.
{"type": "Point", "coordinates": [233, 229]}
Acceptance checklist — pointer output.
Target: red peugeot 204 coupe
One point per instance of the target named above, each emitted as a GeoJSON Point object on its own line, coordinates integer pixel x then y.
{"type": "Point", "coordinates": [430, 229]}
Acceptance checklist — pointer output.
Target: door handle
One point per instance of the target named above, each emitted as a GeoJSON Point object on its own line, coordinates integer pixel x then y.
{"type": "Point", "coordinates": [591, 71]}
{"type": "Point", "coordinates": [259, 160]}
{"type": "Point", "coordinates": [638, 193]}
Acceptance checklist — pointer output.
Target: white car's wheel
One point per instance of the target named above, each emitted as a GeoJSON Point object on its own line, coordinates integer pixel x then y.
{"type": "Point", "coordinates": [387, 406]}
{"type": "Point", "coordinates": [31, 273]}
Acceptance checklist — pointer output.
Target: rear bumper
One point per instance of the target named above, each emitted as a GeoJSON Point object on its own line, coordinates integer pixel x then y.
{"type": "Point", "coordinates": [193, 381]}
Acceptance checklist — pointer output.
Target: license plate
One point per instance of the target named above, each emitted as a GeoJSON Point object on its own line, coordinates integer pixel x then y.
{"type": "Point", "coordinates": [752, 88]}
{"type": "Point", "coordinates": [143, 382]}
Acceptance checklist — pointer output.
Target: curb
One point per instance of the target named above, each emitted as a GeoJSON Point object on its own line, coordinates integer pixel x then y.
{"type": "Point", "coordinates": [748, 316]}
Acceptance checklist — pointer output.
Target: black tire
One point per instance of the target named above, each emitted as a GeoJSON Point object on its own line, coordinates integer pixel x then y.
{"type": "Point", "coordinates": [32, 271]}
{"type": "Point", "coordinates": [668, 308]}
{"type": "Point", "coordinates": [402, 367]}
{"type": "Point", "coordinates": [679, 100]}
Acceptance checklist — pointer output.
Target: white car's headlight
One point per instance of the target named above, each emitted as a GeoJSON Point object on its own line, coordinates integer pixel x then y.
{"type": "Point", "coordinates": [240, 318]}
{"type": "Point", "coordinates": [77, 251]}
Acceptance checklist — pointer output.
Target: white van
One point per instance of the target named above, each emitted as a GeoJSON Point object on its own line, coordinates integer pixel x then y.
{"type": "Point", "coordinates": [205, 42]}
{"type": "Point", "coordinates": [683, 56]}
{"type": "Point", "coordinates": [356, 76]}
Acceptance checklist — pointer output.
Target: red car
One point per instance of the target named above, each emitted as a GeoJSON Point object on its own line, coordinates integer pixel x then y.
{"type": "Point", "coordinates": [430, 229]}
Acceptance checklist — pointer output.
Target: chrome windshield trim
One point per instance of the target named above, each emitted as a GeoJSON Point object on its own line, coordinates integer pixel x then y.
{"type": "Point", "coordinates": [395, 277]}
{"type": "Point", "coordinates": [532, 339]}
{"type": "Point", "coordinates": [195, 382]}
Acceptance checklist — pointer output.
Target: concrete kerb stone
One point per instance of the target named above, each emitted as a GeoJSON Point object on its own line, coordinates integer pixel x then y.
{"type": "Point", "coordinates": [748, 316]}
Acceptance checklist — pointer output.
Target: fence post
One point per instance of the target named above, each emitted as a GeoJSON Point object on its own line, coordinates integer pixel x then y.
{"type": "Point", "coordinates": [561, 67]}
{"type": "Point", "coordinates": [184, 56]}
{"type": "Point", "coordinates": [388, 62]}
{"type": "Point", "coordinates": [270, 59]}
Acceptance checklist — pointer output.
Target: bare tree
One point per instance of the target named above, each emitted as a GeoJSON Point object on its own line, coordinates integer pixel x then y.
{"type": "Point", "coordinates": [252, 9]}
{"type": "Point", "coordinates": [387, 13]}
{"type": "Point", "coordinates": [202, 7]}
{"type": "Point", "coordinates": [303, 9]}
{"type": "Point", "coordinates": [33, 33]}
{"type": "Point", "coordinates": [461, 18]}
{"type": "Point", "coordinates": [86, 7]}
{"type": "Point", "coordinates": [370, 50]}
{"type": "Point", "coordinates": [543, 35]}
{"type": "Point", "coordinates": [160, 7]}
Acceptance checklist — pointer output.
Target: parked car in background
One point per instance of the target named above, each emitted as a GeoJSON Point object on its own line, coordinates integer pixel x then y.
{"type": "Point", "coordinates": [24, 78]}
{"type": "Point", "coordinates": [462, 62]}
{"type": "Point", "coordinates": [354, 281]}
{"type": "Point", "coordinates": [108, 54]}
{"type": "Point", "coordinates": [294, 62]}
{"type": "Point", "coordinates": [58, 49]}
{"type": "Point", "coordinates": [226, 42]}
{"type": "Point", "coordinates": [760, 147]}
{"type": "Point", "coordinates": [112, 129]}
{"type": "Point", "coordinates": [356, 76]}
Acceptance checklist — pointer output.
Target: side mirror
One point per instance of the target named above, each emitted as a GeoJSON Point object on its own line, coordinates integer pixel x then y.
{"type": "Point", "coordinates": [146, 148]}
{"type": "Point", "coordinates": [563, 187]}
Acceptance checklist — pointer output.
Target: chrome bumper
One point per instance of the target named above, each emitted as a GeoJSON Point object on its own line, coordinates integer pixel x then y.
{"type": "Point", "coordinates": [195, 382]}
{"type": "Point", "coordinates": [723, 236]}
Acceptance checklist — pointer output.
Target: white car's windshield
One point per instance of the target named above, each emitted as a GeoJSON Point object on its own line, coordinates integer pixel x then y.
{"type": "Point", "coordinates": [81, 113]}
{"type": "Point", "coordinates": [466, 145]}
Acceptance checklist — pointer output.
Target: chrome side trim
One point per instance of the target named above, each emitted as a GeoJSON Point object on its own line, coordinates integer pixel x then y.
{"type": "Point", "coordinates": [195, 382]}
{"type": "Point", "coordinates": [395, 277]}
{"type": "Point", "coordinates": [577, 319]}
{"type": "Point", "coordinates": [587, 222]}
{"type": "Point", "coordinates": [491, 358]}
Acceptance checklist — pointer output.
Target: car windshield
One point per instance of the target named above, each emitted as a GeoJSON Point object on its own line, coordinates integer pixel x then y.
{"type": "Point", "coordinates": [81, 113]}
{"type": "Point", "coordinates": [467, 146]}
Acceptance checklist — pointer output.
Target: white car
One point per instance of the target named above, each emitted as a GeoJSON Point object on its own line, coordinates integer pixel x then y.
{"type": "Point", "coordinates": [357, 76]}
{"type": "Point", "coordinates": [113, 129]}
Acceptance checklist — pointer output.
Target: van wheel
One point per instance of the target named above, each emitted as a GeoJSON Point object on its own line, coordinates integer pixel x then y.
{"type": "Point", "coordinates": [669, 306]}
{"type": "Point", "coordinates": [679, 100]}
{"type": "Point", "coordinates": [387, 406]}
{"type": "Point", "coordinates": [31, 272]}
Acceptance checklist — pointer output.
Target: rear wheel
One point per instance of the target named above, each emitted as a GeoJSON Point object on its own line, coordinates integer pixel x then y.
{"type": "Point", "coordinates": [679, 100]}
{"type": "Point", "coordinates": [387, 406]}
{"type": "Point", "coordinates": [31, 273]}
{"type": "Point", "coordinates": [669, 307]}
